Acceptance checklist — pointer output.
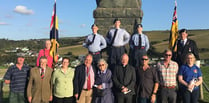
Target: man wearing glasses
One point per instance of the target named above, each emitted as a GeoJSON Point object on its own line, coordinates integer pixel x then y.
{"type": "Point", "coordinates": [147, 82]}
{"type": "Point", "coordinates": [167, 70]}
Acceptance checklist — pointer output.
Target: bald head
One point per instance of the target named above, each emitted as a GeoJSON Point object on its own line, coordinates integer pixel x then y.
{"type": "Point", "coordinates": [124, 59]}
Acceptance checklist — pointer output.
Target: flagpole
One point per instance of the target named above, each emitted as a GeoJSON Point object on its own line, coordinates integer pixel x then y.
{"type": "Point", "coordinates": [55, 37]}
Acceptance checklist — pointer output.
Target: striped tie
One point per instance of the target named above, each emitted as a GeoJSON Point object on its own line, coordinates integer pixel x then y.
{"type": "Point", "coordinates": [42, 73]}
{"type": "Point", "coordinates": [89, 79]}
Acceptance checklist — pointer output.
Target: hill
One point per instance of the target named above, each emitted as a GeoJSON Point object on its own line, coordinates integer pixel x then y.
{"type": "Point", "coordinates": [158, 41]}
{"type": "Point", "coordinates": [73, 45]}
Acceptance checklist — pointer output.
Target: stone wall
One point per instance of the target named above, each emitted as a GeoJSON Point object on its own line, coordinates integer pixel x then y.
{"type": "Point", "coordinates": [128, 11]}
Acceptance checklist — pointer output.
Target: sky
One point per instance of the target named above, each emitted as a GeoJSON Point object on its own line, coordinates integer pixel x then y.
{"type": "Point", "coordinates": [30, 19]}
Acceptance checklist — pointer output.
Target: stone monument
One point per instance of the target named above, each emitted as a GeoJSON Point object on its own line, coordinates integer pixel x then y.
{"type": "Point", "coordinates": [128, 11]}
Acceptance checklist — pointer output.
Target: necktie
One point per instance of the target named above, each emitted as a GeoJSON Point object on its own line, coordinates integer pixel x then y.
{"type": "Point", "coordinates": [89, 79]}
{"type": "Point", "coordinates": [42, 73]}
{"type": "Point", "coordinates": [182, 43]}
{"type": "Point", "coordinates": [113, 39]}
{"type": "Point", "coordinates": [92, 39]}
{"type": "Point", "coordinates": [139, 44]}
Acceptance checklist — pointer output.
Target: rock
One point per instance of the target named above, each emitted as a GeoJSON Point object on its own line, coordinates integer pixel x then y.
{"type": "Point", "coordinates": [128, 11]}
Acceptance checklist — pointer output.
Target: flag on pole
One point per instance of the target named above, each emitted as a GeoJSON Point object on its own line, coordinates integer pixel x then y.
{"type": "Point", "coordinates": [174, 31]}
{"type": "Point", "coordinates": [54, 35]}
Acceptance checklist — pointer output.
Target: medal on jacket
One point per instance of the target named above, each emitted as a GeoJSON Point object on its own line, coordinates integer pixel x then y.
{"type": "Point", "coordinates": [190, 50]}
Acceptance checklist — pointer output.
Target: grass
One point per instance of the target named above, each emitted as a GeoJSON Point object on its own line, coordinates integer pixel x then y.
{"type": "Point", "coordinates": [161, 37]}
{"type": "Point", "coordinates": [76, 50]}
{"type": "Point", "coordinates": [205, 71]}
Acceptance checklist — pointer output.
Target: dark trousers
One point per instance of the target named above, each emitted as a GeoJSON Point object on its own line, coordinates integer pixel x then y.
{"type": "Point", "coordinates": [167, 95]}
{"type": "Point", "coordinates": [96, 58]}
{"type": "Point", "coordinates": [144, 100]}
{"type": "Point", "coordinates": [115, 54]}
{"type": "Point", "coordinates": [64, 100]}
{"type": "Point", "coordinates": [136, 56]}
{"type": "Point", "coordinates": [17, 97]}
{"type": "Point", "coordinates": [189, 97]}
{"type": "Point", "coordinates": [124, 98]}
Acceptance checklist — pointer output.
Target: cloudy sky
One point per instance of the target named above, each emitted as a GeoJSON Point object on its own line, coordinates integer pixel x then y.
{"type": "Point", "coordinates": [30, 19]}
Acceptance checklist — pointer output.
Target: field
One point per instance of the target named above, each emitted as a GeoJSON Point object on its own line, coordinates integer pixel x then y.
{"type": "Point", "coordinates": [158, 40]}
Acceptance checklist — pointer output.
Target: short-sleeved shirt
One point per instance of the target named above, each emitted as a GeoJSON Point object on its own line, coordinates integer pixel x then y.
{"type": "Point", "coordinates": [63, 82]}
{"type": "Point", "coordinates": [167, 75]}
{"type": "Point", "coordinates": [189, 73]}
{"type": "Point", "coordinates": [18, 78]}
{"type": "Point", "coordinates": [145, 81]}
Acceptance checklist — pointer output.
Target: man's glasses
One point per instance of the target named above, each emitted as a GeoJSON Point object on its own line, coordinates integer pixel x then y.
{"type": "Point", "coordinates": [168, 55]}
{"type": "Point", "coordinates": [144, 59]}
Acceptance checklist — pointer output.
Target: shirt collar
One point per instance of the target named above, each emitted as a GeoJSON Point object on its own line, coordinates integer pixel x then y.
{"type": "Point", "coordinates": [100, 72]}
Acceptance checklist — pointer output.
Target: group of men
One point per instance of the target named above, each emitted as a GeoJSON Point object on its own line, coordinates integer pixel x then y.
{"type": "Point", "coordinates": [167, 69]}
{"type": "Point", "coordinates": [125, 75]}
{"type": "Point", "coordinates": [115, 42]}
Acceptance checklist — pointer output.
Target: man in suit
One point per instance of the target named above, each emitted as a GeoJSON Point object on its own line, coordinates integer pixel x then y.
{"type": "Point", "coordinates": [40, 87]}
{"type": "Point", "coordinates": [124, 78]}
{"type": "Point", "coordinates": [83, 81]}
{"type": "Point", "coordinates": [185, 46]}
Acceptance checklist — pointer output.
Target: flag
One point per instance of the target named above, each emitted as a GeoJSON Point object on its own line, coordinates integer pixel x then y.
{"type": "Point", "coordinates": [54, 35]}
{"type": "Point", "coordinates": [174, 31]}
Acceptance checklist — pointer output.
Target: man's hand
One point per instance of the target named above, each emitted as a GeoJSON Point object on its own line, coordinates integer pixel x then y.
{"type": "Point", "coordinates": [153, 98]}
{"type": "Point", "coordinates": [125, 89]}
{"type": "Point", "coordinates": [99, 87]}
{"type": "Point", "coordinates": [76, 96]}
{"type": "Point", "coordinates": [50, 98]}
{"type": "Point", "coordinates": [29, 99]}
{"type": "Point", "coordinates": [7, 81]}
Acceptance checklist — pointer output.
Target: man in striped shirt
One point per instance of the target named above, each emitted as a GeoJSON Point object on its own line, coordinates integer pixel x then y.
{"type": "Point", "coordinates": [17, 76]}
{"type": "Point", "coordinates": [167, 70]}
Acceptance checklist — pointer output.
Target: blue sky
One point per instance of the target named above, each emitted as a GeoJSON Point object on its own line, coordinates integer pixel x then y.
{"type": "Point", "coordinates": [30, 19]}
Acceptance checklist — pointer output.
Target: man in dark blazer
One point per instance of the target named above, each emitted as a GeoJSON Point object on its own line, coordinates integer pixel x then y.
{"type": "Point", "coordinates": [185, 46]}
{"type": "Point", "coordinates": [40, 87]}
{"type": "Point", "coordinates": [124, 78]}
{"type": "Point", "coordinates": [83, 74]}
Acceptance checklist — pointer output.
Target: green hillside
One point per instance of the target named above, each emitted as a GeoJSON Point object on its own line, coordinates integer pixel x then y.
{"type": "Point", "coordinates": [159, 41]}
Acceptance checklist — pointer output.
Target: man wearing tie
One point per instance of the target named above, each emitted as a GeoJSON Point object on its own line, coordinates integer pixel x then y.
{"type": "Point", "coordinates": [116, 39]}
{"type": "Point", "coordinates": [185, 46]}
{"type": "Point", "coordinates": [139, 45]}
{"type": "Point", "coordinates": [95, 43]}
{"type": "Point", "coordinates": [40, 87]}
{"type": "Point", "coordinates": [83, 81]}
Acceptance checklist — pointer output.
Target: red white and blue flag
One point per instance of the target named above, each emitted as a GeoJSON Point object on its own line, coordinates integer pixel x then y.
{"type": "Point", "coordinates": [174, 31]}
{"type": "Point", "coordinates": [54, 34]}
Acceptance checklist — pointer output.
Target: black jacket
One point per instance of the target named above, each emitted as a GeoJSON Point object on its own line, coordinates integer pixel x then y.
{"type": "Point", "coordinates": [79, 78]}
{"type": "Point", "coordinates": [182, 51]}
{"type": "Point", "coordinates": [127, 79]}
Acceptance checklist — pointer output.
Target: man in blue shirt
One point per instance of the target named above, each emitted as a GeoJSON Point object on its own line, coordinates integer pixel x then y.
{"type": "Point", "coordinates": [139, 45]}
{"type": "Point", "coordinates": [17, 76]}
{"type": "Point", "coordinates": [116, 39]}
{"type": "Point", "coordinates": [95, 43]}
